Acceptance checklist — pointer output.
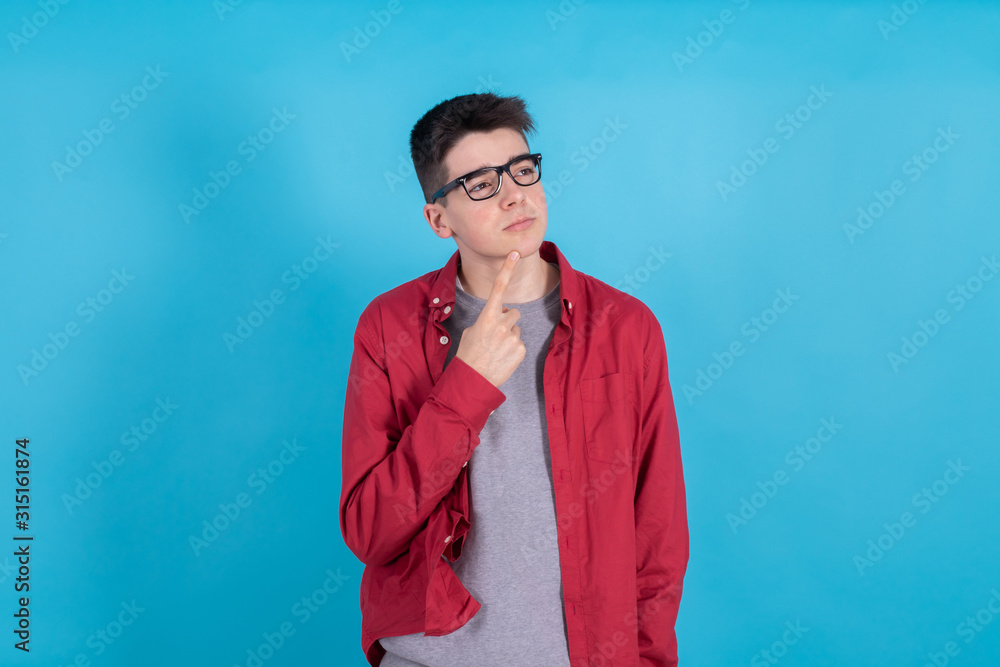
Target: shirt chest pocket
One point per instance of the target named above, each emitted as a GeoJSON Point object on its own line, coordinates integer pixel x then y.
{"type": "Point", "coordinates": [608, 416]}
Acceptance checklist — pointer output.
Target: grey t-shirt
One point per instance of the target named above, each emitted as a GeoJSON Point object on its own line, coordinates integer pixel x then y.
{"type": "Point", "coordinates": [510, 559]}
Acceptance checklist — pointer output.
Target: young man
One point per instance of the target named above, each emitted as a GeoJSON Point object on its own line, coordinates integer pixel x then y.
{"type": "Point", "coordinates": [511, 466]}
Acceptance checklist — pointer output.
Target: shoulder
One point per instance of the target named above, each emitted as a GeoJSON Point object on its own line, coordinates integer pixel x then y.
{"type": "Point", "coordinates": [622, 310]}
{"type": "Point", "coordinates": [400, 308]}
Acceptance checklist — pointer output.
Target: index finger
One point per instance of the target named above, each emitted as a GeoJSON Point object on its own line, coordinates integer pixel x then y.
{"type": "Point", "coordinates": [495, 300]}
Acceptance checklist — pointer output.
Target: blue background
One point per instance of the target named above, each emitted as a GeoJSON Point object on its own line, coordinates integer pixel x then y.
{"type": "Point", "coordinates": [339, 171]}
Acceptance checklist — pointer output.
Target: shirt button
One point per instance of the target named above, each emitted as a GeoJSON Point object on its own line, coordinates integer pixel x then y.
{"type": "Point", "coordinates": [447, 539]}
{"type": "Point", "coordinates": [435, 300]}
{"type": "Point", "coordinates": [465, 464]}
{"type": "Point", "coordinates": [569, 304]}
{"type": "Point", "coordinates": [444, 340]}
{"type": "Point", "coordinates": [447, 309]}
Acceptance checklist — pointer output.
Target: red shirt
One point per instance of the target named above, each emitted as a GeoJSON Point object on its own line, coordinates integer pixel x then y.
{"type": "Point", "coordinates": [411, 425]}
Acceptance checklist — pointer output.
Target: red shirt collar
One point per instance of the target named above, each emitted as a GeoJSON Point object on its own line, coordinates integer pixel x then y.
{"type": "Point", "coordinates": [443, 287]}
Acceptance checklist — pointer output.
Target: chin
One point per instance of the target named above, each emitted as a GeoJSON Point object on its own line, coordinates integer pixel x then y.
{"type": "Point", "coordinates": [530, 244]}
{"type": "Point", "coordinates": [538, 236]}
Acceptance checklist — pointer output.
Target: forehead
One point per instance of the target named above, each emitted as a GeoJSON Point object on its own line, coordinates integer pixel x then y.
{"type": "Point", "coordinates": [484, 149]}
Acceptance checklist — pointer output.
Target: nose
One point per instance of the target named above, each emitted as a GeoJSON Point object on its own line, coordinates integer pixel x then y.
{"type": "Point", "coordinates": [511, 192]}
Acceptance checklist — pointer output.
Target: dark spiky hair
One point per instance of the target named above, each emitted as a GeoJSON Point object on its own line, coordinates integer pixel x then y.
{"type": "Point", "coordinates": [442, 127]}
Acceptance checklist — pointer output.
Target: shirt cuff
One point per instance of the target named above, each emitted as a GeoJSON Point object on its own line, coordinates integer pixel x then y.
{"type": "Point", "coordinates": [467, 391]}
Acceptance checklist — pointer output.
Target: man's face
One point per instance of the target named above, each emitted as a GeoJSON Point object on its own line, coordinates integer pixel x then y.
{"type": "Point", "coordinates": [479, 226]}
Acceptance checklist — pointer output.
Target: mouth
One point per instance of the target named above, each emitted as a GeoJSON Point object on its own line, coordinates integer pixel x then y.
{"type": "Point", "coordinates": [519, 224]}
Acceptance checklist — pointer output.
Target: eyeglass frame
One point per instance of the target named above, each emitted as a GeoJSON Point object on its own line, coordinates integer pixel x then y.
{"type": "Point", "coordinates": [445, 189]}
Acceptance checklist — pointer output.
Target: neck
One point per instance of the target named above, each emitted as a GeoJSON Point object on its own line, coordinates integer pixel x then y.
{"type": "Point", "coordinates": [533, 278]}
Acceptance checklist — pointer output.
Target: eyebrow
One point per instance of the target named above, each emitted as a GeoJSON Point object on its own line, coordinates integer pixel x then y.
{"type": "Point", "coordinates": [510, 159]}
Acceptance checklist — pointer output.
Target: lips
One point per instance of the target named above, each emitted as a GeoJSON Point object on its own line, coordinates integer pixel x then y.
{"type": "Point", "coordinates": [519, 224]}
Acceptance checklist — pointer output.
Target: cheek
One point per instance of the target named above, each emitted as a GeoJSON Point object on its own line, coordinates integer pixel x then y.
{"type": "Point", "coordinates": [537, 199]}
{"type": "Point", "coordinates": [540, 196]}
{"type": "Point", "coordinates": [481, 228]}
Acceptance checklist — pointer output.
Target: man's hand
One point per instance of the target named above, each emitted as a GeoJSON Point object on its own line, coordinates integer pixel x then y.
{"type": "Point", "coordinates": [493, 344]}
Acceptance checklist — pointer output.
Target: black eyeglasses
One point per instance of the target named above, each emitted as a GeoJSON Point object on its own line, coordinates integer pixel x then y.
{"type": "Point", "coordinates": [484, 183]}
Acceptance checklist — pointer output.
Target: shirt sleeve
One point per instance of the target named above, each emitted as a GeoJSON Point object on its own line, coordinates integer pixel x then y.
{"type": "Point", "coordinates": [394, 478]}
{"type": "Point", "coordinates": [660, 511]}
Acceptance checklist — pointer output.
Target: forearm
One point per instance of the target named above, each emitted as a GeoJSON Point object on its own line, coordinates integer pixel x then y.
{"type": "Point", "coordinates": [662, 541]}
{"type": "Point", "coordinates": [392, 479]}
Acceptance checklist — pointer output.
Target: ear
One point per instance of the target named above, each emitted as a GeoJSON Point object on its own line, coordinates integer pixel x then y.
{"type": "Point", "coordinates": [436, 218]}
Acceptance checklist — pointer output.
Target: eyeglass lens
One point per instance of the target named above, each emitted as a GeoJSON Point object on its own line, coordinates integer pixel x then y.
{"type": "Point", "coordinates": [485, 183]}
